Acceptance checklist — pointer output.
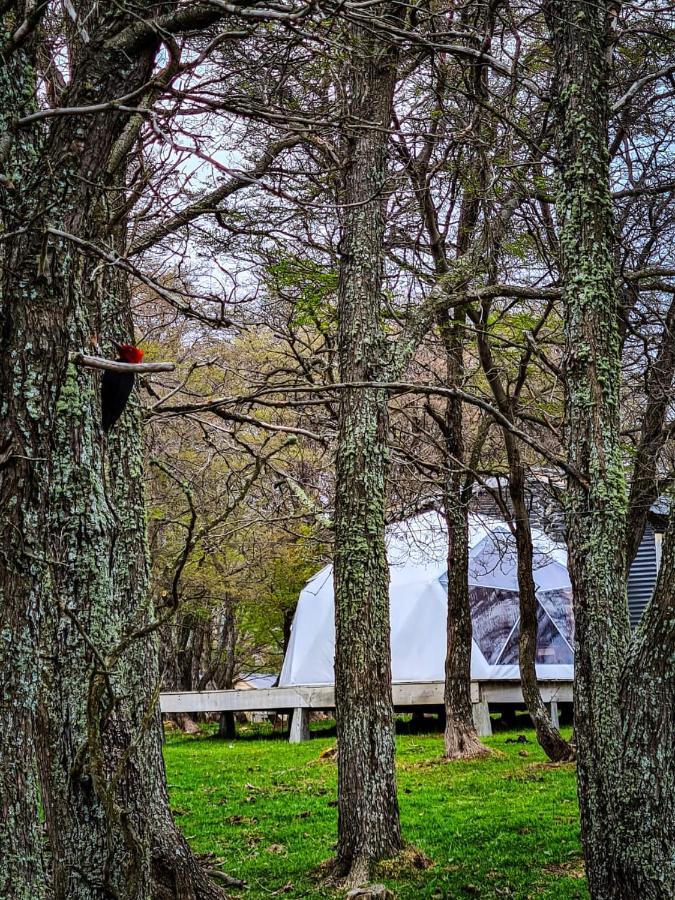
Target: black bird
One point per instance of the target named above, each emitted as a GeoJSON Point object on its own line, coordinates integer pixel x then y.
{"type": "Point", "coordinates": [117, 386]}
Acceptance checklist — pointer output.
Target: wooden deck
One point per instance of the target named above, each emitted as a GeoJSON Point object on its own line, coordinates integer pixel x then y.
{"type": "Point", "coordinates": [302, 699]}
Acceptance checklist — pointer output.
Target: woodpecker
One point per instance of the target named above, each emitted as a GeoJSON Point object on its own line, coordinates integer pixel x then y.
{"type": "Point", "coordinates": [116, 386]}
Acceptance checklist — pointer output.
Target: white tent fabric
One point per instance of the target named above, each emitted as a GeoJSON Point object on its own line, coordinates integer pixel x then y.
{"type": "Point", "coordinates": [417, 550]}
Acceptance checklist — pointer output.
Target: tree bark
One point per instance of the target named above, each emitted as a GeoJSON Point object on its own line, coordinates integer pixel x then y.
{"type": "Point", "coordinates": [368, 817]}
{"type": "Point", "coordinates": [460, 738]}
{"type": "Point", "coordinates": [103, 774]}
{"type": "Point", "coordinates": [97, 830]}
{"type": "Point", "coordinates": [73, 512]}
{"type": "Point", "coordinates": [31, 365]}
{"type": "Point", "coordinates": [597, 510]}
{"type": "Point", "coordinates": [645, 837]}
{"type": "Point", "coordinates": [654, 434]}
{"type": "Point", "coordinates": [622, 693]}
{"type": "Point", "coordinates": [551, 741]}
{"type": "Point", "coordinates": [186, 664]}
{"type": "Point", "coordinates": [227, 727]}
{"type": "Point", "coordinates": [548, 736]}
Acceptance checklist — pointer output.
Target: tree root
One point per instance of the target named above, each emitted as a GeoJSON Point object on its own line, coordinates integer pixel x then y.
{"type": "Point", "coordinates": [338, 875]}
{"type": "Point", "coordinates": [356, 877]}
{"type": "Point", "coordinates": [178, 875]}
{"type": "Point", "coordinates": [463, 743]}
{"type": "Point", "coordinates": [187, 724]}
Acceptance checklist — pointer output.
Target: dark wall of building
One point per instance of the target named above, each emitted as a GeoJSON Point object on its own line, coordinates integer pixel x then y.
{"type": "Point", "coordinates": [642, 577]}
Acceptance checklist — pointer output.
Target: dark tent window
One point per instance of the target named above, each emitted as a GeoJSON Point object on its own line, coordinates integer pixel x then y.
{"type": "Point", "coordinates": [494, 612]}
{"type": "Point", "coordinates": [552, 649]}
{"type": "Point", "coordinates": [558, 604]}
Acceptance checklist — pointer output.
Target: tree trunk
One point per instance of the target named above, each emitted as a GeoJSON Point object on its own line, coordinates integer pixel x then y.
{"type": "Point", "coordinates": [551, 741]}
{"type": "Point", "coordinates": [227, 727]}
{"type": "Point", "coordinates": [103, 774]}
{"type": "Point", "coordinates": [461, 739]}
{"type": "Point", "coordinates": [646, 833]}
{"type": "Point", "coordinates": [31, 365]}
{"type": "Point", "coordinates": [187, 626]}
{"type": "Point", "coordinates": [597, 501]}
{"type": "Point", "coordinates": [654, 434]}
{"type": "Point", "coordinates": [549, 737]}
{"type": "Point", "coordinates": [368, 820]}
{"type": "Point", "coordinates": [73, 512]}
{"type": "Point", "coordinates": [99, 845]}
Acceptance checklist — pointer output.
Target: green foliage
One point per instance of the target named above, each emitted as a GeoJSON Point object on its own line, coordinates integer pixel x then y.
{"type": "Point", "coordinates": [270, 597]}
{"type": "Point", "coordinates": [255, 538]}
{"type": "Point", "coordinates": [502, 827]}
{"type": "Point", "coordinates": [312, 287]}
{"type": "Point", "coordinates": [522, 246]}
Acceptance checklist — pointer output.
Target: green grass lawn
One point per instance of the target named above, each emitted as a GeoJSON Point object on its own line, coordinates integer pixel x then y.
{"type": "Point", "coordinates": [499, 827]}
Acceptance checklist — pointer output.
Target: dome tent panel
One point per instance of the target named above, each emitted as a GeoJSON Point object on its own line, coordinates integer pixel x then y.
{"type": "Point", "coordinates": [493, 591]}
{"type": "Point", "coordinates": [417, 641]}
{"type": "Point", "coordinates": [552, 648]}
{"type": "Point", "coordinates": [417, 553]}
{"type": "Point", "coordinates": [493, 562]}
{"type": "Point", "coordinates": [310, 655]}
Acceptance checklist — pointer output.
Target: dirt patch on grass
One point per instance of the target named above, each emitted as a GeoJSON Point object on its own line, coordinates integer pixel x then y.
{"type": "Point", "coordinates": [537, 771]}
{"type": "Point", "coordinates": [490, 753]}
{"type": "Point", "coordinates": [409, 861]}
{"type": "Point", "coordinates": [572, 869]}
{"type": "Point", "coordinates": [406, 864]}
{"type": "Point", "coordinates": [241, 820]}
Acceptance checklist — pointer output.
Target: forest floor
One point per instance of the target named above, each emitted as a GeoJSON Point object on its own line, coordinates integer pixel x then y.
{"type": "Point", "coordinates": [265, 811]}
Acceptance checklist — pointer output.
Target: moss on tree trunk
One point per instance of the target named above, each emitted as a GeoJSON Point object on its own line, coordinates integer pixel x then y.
{"type": "Point", "coordinates": [29, 379]}
{"type": "Point", "coordinates": [623, 687]}
{"type": "Point", "coordinates": [73, 519]}
{"type": "Point", "coordinates": [368, 810]}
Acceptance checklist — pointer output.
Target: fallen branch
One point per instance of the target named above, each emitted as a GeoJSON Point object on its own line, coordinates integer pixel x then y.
{"type": "Point", "coordinates": [114, 365]}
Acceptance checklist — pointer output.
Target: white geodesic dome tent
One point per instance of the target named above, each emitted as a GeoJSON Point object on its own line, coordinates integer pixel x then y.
{"type": "Point", "coordinates": [417, 550]}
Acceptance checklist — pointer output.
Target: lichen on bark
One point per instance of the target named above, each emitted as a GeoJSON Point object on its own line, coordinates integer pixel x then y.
{"type": "Point", "coordinates": [622, 692]}
{"type": "Point", "coordinates": [368, 818]}
{"type": "Point", "coordinates": [24, 475]}
{"type": "Point", "coordinates": [72, 518]}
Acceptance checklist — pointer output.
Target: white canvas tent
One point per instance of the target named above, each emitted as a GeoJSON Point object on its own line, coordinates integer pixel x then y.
{"type": "Point", "coordinates": [416, 551]}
